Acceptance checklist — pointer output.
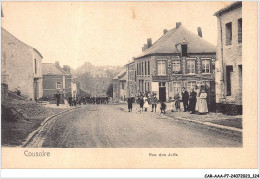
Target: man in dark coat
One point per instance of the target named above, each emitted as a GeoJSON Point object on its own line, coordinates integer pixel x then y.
{"type": "Point", "coordinates": [141, 102]}
{"type": "Point", "coordinates": [192, 102]}
{"type": "Point", "coordinates": [58, 98]}
{"type": "Point", "coordinates": [185, 99]}
{"type": "Point", "coordinates": [130, 104]}
{"type": "Point", "coordinates": [154, 101]}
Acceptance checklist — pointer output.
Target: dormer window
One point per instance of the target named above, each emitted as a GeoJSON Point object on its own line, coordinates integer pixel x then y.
{"type": "Point", "coordinates": [184, 50]}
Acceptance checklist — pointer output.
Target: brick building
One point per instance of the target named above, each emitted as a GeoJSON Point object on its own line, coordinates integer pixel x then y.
{"type": "Point", "coordinates": [178, 59]}
{"type": "Point", "coordinates": [56, 78]}
{"type": "Point", "coordinates": [131, 78]}
{"type": "Point", "coordinates": [120, 86]}
{"type": "Point", "coordinates": [21, 66]}
{"type": "Point", "coordinates": [229, 58]}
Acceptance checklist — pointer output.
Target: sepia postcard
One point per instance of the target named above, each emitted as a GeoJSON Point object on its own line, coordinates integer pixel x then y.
{"type": "Point", "coordinates": [123, 85]}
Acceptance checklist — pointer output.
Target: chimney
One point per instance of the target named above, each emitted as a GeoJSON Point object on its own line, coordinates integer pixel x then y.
{"type": "Point", "coordinates": [178, 24]}
{"type": "Point", "coordinates": [145, 46]}
{"type": "Point", "coordinates": [66, 68]}
{"type": "Point", "coordinates": [199, 32]}
{"type": "Point", "coordinates": [57, 63]}
{"type": "Point", "coordinates": [165, 31]}
{"type": "Point", "coordinates": [149, 42]}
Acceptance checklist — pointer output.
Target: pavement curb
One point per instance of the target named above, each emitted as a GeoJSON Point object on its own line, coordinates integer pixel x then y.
{"type": "Point", "coordinates": [33, 134]}
{"type": "Point", "coordinates": [233, 129]}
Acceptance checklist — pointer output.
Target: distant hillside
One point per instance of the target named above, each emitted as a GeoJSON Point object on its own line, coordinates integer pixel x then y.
{"type": "Point", "coordinates": [95, 79]}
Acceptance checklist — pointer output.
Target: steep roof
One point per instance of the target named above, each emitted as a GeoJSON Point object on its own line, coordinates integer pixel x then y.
{"type": "Point", "coordinates": [121, 75]}
{"type": "Point", "coordinates": [5, 33]}
{"type": "Point", "coordinates": [171, 41]}
{"type": "Point", "coordinates": [229, 7]}
{"type": "Point", "coordinates": [52, 69]}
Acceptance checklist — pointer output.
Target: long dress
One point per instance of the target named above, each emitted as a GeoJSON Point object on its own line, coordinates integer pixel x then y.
{"type": "Point", "coordinates": [177, 101]}
{"type": "Point", "coordinates": [198, 94]}
{"type": "Point", "coordinates": [202, 103]}
{"type": "Point", "coordinates": [146, 104]}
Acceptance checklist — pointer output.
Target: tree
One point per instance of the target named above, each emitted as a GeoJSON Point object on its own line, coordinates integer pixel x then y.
{"type": "Point", "coordinates": [110, 90]}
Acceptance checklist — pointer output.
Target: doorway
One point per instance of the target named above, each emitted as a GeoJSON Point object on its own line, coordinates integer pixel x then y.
{"type": "Point", "coordinates": [162, 91]}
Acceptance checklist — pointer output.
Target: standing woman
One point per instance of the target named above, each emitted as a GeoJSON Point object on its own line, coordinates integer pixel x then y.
{"type": "Point", "coordinates": [192, 101]}
{"type": "Point", "coordinates": [177, 101]}
{"type": "Point", "coordinates": [202, 103]}
{"type": "Point", "coordinates": [141, 102]}
{"type": "Point", "coordinates": [197, 90]}
{"type": "Point", "coordinates": [146, 104]}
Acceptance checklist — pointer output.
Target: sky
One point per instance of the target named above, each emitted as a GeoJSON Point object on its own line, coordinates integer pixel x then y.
{"type": "Point", "coordinates": [102, 33]}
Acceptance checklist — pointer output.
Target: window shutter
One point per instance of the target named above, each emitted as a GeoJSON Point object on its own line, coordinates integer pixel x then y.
{"type": "Point", "coordinates": [212, 68]}
{"type": "Point", "coordinates": [184, 66]}
{"type": "Point", "coordinates": [196, 65]}
{"type": "Point", "coordinates": [156, 68]}
{"type": "Point", "coordinates": [181, 64]}
{"type": "Point", "coordinates": [199, 67]}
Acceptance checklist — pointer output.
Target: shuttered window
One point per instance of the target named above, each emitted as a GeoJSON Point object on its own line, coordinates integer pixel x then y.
{"type": "Point", "coordinates": [229, 33]}
{"type": "Point", "coordinates": [191, 66]}
{"type": "Point", "coordinates": [239, 34]}
{"type": "Point", "coordinates": [148, 67]}
{"type": "Point", "coordinates": [58, 85]}
{"type": "Point", "coordinates": [176, 87]}
{"type": "Point", "coordinates": [161, 67]}
{"type": "Point", "coordinates": [205, 66]}
{"type": "Point", "coordinates": [176, 66]}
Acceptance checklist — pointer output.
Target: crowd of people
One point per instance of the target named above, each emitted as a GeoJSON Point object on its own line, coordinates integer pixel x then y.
{"type": "Point", "coordinates": [195, 101]}
{"type": "Point", "coordinates": [78, 100]}
{"type": "Point", "coordinates": [87, 100]}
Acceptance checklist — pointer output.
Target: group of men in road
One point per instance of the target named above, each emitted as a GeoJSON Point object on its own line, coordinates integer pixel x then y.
{"type": "Point", "coordinates": [73, 101]}
{"type": "Point", "coordinates": [193, 101]}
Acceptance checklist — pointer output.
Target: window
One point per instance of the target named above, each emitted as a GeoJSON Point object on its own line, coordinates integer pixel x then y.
{"type": "Point", "coordinates": [35, 66]}
{"type": "Point", "coordinates": [191, 85]}
{"type": "Point", "coordinates": [145, 70]}
{"type": "Point", "coordinates": [239, 34]}
{"type": "Point", "coordinates": [142, 68]}
{"type": "Point", "coordinates": [229, 70]}
{"type": "Point", "coordinates": [176, 87]}
{"type": "Point", "coordinates": [205, 66]}
{"type": "Point", "coordinates": [137, 69]}
{"type": "Point", "coordinates": [176, 66]}
{"type": "Point", "coordinates": [58, 85]}
{"type": "Point", "coordinates": [229, 33]}
{"type": "Point", "coordinates": [148, 67]}
{"type": "Point", "coordinates": [184, 50]}
{"type": "Point", "coordinates": [191, 66]}
{"type": "Point", "coordinates": [161, 66]}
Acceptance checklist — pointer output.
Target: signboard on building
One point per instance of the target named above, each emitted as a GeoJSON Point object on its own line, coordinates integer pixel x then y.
{"type": "Point", "coordinates": [160, 78]}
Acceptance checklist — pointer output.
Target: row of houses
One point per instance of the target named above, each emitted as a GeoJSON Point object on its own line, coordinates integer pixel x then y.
{"type": "Point", "coordinates": [23, 70]}
{"type": "Point", "coordinates": [181, 58]}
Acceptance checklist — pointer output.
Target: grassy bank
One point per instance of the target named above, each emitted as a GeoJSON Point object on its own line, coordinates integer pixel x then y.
{"type": "Point", "coordinates": [20, 118]}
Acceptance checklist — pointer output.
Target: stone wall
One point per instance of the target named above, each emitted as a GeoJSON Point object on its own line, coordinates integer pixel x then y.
{"type": "Point", "coordinates": [17, 64]}
{"type": "Point", "coordinates": [232, 56]}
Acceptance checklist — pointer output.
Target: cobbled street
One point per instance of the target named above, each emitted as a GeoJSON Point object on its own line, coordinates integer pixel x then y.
{"type": "Point", "coordinates": [103, 126]}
